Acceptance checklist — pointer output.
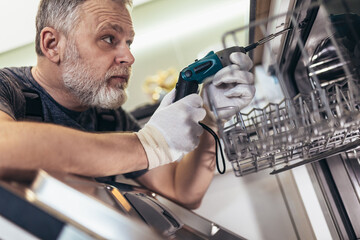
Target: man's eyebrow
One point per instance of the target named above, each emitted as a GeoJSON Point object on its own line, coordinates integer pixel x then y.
{"type": "Point", "coordinates": [117, 28]}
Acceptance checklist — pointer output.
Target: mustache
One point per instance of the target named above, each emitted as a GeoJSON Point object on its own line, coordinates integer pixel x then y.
{"type": "Point", "coordinates": [118, 71]}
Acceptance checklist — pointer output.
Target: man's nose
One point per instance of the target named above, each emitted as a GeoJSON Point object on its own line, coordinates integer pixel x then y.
{"type": "Point", "coordinates": [124, 56]}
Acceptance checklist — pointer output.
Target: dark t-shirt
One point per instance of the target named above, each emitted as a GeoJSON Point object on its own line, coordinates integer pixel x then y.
{"type": "Point", "coordinates": [12, 102]}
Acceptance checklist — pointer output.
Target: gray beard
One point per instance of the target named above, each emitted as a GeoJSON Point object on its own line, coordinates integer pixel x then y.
{"type": "Point", "coordinates": [79, 78]}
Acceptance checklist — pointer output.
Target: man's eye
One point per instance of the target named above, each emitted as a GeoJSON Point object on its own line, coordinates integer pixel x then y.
{"type": "Point", "coordinates": [109, 39]}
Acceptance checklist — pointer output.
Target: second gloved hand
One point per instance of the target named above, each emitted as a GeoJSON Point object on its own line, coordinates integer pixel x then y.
{"type": "Point", "coordinates": [173, 130]}
{"type": "Point", "coordinates": [232, 86]}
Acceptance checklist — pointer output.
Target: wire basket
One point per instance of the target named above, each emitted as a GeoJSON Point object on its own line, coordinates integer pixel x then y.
{"type": "Point", "coordinates": [304, 127]}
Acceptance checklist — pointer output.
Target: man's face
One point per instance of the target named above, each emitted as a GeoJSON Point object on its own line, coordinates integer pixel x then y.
{"type": "Point", "coordinates": [97, 59]}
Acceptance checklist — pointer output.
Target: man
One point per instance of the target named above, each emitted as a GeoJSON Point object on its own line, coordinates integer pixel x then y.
{"type": "Point", "coordinates": [83, 67]}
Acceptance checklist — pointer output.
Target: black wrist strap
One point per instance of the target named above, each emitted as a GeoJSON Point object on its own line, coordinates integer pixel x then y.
{"type": "Point", "coordinates": [217, 142]}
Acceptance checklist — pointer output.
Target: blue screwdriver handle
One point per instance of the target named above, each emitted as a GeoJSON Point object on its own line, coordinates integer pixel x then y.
{"type": "Point", "coordinates": [194, 74]}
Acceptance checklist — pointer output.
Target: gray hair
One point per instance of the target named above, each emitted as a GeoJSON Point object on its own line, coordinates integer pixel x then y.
{"type": "Point", "coordinates": [62, 15]}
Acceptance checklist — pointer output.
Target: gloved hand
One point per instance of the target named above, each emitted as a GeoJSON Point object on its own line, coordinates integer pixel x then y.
{"type": "Point", "coordinates": [231, 86]}
{"type": "Point", "coordinates": [173, 130]}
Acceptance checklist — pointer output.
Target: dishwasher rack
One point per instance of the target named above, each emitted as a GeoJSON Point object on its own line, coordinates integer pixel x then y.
{"type": "Point", "coordinates": [298, 130]}
{"type": "Point", "coordinates": [274, 135]}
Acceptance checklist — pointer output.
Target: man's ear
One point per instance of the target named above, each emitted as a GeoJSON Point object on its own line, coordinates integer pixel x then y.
{"type": "Point", "coordinates": [49, 44]}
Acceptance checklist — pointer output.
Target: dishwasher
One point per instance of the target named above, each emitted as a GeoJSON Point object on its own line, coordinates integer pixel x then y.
{"type": "Point", "coordinates": [316, 121]}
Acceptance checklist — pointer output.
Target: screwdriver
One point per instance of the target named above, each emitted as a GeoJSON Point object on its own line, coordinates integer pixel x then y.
{"type": "Point", "coordinates": [266, 39]}
{"type": "Point", "coordinates": [194, 74]}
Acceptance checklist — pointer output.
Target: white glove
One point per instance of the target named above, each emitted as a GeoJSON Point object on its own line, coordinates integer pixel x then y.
{"type": "Point", "coordinates": [173, 130]}
{"type": "Point", "coordinates": [231, 86]}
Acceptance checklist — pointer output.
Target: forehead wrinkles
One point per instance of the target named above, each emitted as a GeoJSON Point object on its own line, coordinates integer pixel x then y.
{"type": "Point", "coordinates": [108, 12]}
